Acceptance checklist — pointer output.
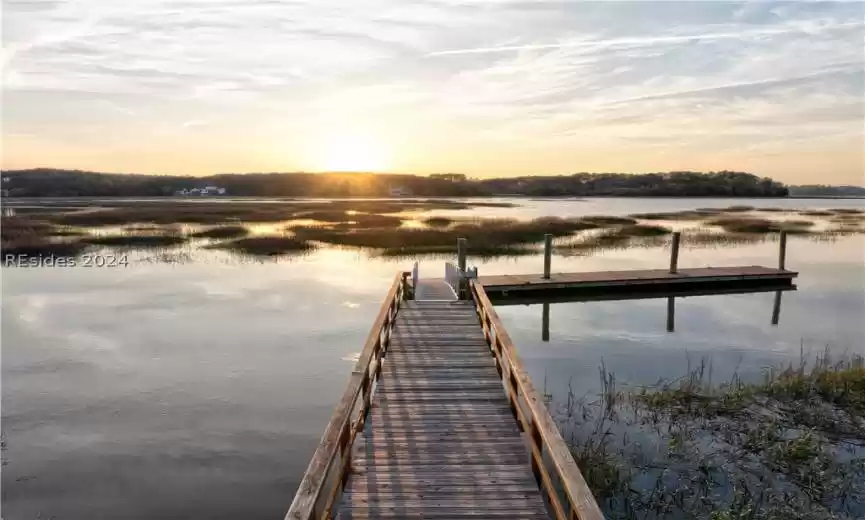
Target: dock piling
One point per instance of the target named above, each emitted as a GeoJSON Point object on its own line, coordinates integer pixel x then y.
{"type": "Point", "coordinates": [545, 323]}
{"type": "Point", "coordinates": [461, 254]}
{"type": "Point", "coordinates": [782, 251]}
{"type": "Point", "coordinates": [548, 254]}
{"type": "Point", "coordinates": [671, 314]}
{"type": "Point", "coordinates": [776, 308]}
{"type": "Point", "coordinates": [674, 253]}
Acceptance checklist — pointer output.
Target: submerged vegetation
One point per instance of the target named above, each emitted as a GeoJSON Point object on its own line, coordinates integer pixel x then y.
{"type": "Point", "coordinates": [789, 446]}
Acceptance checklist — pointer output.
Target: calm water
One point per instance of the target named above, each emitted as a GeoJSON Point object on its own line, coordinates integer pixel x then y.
{"type": "Point", "coordinates": [199, 389]}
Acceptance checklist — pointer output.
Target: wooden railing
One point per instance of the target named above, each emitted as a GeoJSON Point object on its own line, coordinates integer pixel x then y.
{"type": "Point", "coordinates": [324, 478]}
{"type": "Point", "coordinates": [569, 498]}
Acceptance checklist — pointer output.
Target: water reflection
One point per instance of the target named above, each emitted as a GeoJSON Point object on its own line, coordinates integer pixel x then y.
{"type": "Point", "coordinates": [671, 303]}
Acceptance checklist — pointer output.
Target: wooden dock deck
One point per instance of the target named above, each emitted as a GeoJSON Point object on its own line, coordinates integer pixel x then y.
{"type": "Point", "coordinates": [441, 440]}
{"type": "Point", "coordinates": [640, 280]}
{"type": "Point", "coordinates": [440, 420]}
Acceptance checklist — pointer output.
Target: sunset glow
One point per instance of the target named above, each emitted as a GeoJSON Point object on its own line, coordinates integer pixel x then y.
{"type": "Point", "coordinates": [352, 153]}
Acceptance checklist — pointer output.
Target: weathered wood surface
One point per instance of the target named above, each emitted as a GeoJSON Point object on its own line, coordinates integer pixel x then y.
{"type": "Point", "coordinates": [433, 289]}
{"type": "Point", "coordinates": [440, 440]}
{"type": "Point", "coordinates": [601, 279]}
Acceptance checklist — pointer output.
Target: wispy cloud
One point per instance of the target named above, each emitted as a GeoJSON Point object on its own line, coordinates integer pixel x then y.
{"type": "Point", "coordinates": [459, 85]}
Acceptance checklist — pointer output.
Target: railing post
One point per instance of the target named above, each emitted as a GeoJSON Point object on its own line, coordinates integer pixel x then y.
{"type": "Point", "coordinates": [548, 254]}
{"type": "Point", "coordinates": [674, 253]}
{"type": "Point", "coordinates": [461, 265]}
{"type": "Point", "coordinates": [782, 251]}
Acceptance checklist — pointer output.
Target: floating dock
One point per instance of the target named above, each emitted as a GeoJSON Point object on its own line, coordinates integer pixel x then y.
{"type": "Point", "coordinates": [639, 281]}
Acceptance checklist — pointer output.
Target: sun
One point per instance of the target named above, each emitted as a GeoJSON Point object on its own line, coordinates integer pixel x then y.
{"type": "Point", "coordinates": [354, 153]}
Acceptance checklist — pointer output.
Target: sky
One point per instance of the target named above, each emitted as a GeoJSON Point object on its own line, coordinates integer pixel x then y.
{"type": "Point", "coordinates": [486, 88]}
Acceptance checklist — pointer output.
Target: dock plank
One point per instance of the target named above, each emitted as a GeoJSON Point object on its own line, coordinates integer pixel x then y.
{"type": "Point", "coordinates": [440, 439]}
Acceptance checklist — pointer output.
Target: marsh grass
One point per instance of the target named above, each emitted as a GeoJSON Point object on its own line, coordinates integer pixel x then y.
{"type": "Point", "coordinates": [605, 220]}
{"type": "Point", "coordinates": [484, 236]}
{"type": "Point", "coordinates": [816, 213]}
{"type": "Point", "coordinates": [67, 232]}
{"type": "Point", "coordinates": [40, 247]}
{"type": "Point", "coordinates": [635, 230]}
{"type": "Point", "coordinates": [23, 236]}
{"type": "Point", "coordinates": [206, 212]}
{"type": "Point", "coordinates": [675, 215]}
{"type": "Point", "coordinates": [438, 221]}
{"type": "Point", "coordinates": [759, 225]}
{"type": "Point", "coordinates": [270, 245]}
{"type": "Point", "coordinates": [222, 232]}
{"type": "Point", "coordinates": [136, 241]}
{"type": "Point", "coordinates": [789, 445]}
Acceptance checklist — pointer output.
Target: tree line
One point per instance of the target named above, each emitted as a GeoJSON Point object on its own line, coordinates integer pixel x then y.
{"type": "Point", "coordinates": [47, 182]}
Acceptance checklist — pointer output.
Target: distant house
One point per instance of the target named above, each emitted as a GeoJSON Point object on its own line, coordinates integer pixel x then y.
{"type": "Point", "coordinates": [206, 191]}
{"type": "Point", "coordinates": [213, 190]}
{"type": "Point", "coordinates": [400, 191]}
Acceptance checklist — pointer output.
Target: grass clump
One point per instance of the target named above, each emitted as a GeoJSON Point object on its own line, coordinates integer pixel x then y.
{"type": "Point", "coordinates": [222, 232]}
{"type": "Point", "coordinates": [41, 247]}
{"type": "Point", "coordinates": [737, 209]}
{"type": "Point", "coordinates": [632, 231]}
{"type": "Point", "coordinates": [760, 225]}
{"type": "Point", "coordinates": [816, 213]}
{"type": "Point", "coordinates": [271, 245]}
{"type": "Point", "coordinates": [143, 241]}
{"type": "Point", "coordinates": [604, 220]}
{"type": "Point", "coordinates": [848, 211]}
{"type": "Point", "coordinates": [438, 221]}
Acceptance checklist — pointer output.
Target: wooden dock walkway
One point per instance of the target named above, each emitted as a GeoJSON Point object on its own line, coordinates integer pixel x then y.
{"type": "Point", "coordinates": [441, 440]}
{"type": "Point", "coordinates": [440, 420]}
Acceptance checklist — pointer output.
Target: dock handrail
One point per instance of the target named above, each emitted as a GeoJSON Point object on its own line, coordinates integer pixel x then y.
{"type": "Point", "coordinates": [325, 474]}
{"type": "Point", "coordinates": [536, 420]}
